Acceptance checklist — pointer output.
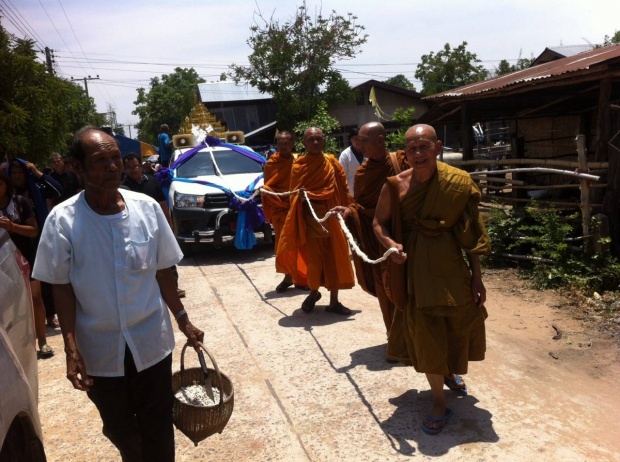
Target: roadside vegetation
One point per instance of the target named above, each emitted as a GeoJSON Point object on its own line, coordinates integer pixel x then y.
{"type": "Point", "coordinates": [545, 247]}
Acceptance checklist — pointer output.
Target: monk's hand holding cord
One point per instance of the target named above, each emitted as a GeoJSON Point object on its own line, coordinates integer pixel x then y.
{"type": "Point", "coordinates": [478, 290]}
{"type": "Point", "coordinates": [399, 257]}
{"type": "Point", "coordinates": [344, 211]}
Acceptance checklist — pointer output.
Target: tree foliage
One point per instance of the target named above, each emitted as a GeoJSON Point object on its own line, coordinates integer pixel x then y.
{"type": "Point", "coordinates": [399, 80]}
{"type": "Point", "coordinates": [325, 122]}
{"type": "Point", "coordinates": [38, 111]}
{"type": "Point", "coordinates": [449, 68]}
{"type": "Point", "coordinates": [504, 67]}
{"type": "Point", "coordinates": [294, 61]}
{"type": "Point", "coordinates": [613, 39]}
{"type": "Point", "coordinates": [404, 119]}
{"type": "Point", "coordinates": [169, 101]}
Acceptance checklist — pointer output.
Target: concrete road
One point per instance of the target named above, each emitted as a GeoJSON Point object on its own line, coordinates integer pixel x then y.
{"type": "Point", "coordinates": [316, 386]}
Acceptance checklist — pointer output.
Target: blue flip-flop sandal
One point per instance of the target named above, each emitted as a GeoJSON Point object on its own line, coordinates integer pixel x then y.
{"type": "Point", "coordinates": [433, 420]}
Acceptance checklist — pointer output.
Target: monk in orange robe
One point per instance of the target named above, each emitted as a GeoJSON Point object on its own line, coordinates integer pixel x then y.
{"type": "Point", "coordinates": [369, 179]}
{"type": "Point", "coordinates": [323, 248]}
{"type": "Point", "coordinates": [277, 178]}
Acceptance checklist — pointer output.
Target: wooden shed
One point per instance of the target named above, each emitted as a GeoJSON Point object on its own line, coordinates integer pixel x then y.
{"type": "Point", "coordinates": [543, 109]}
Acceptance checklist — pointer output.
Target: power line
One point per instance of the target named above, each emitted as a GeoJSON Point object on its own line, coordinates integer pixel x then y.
{"type": "Point", "coordinates": [110, 99]}
{"type": "Point", "coordinates": [23, 21]}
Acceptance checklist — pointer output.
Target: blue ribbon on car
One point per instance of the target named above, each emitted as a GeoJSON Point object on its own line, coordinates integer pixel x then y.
{"type": "Point", "coordinates": [250, 215]}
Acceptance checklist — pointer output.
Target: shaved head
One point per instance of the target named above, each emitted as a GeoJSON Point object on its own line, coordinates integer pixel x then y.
{"type": "Point", "coordinates": [421, 132]}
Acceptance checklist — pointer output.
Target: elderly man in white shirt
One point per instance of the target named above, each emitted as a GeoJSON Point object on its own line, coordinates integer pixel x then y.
{"type": "Point", "coordinates": [108, 254]}
{"type": "Point", "coordinates": [351, 158]}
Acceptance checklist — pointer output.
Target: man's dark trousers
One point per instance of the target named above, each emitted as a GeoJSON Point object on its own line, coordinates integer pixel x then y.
{"type": "Point", "coordinates": [136, 410]}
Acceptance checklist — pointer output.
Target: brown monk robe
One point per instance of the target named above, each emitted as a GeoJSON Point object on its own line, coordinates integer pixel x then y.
{"type": "Point", "coordinates": [325, 252]}
{"type": "Point", "coordinates": [441, 328]}
{"type": "Point", "coordinates": [369, 179]}
{"type": "Point", "coordinates": [277, 178]}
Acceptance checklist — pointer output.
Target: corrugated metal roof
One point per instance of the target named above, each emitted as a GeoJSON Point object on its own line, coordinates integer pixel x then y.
{"type": "Point", "coordinates": [221, 92]}
{"type": "Point", "coordinates": [571, 50]}
{"type": "Point", "coordinates": [548, 70]}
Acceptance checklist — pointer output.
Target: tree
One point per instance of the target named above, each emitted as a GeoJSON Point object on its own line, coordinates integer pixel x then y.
{"type": "Point", "coordinates": [504, 67]}
{"type": "Point", "coordinates": [325, 122]}
{"type": "Point", "coordinates": [449, 68]}
{"type": "Point", "coordinates": [399, 80]}
{"type": "Point", "coordinates": [38, 111]}
{"type": "Point", "coordinates": [404, 119]}
{"type": "Point", "coordinates": [294, 61]}
{"type": "Point", "coordinates": [613, 39]}
{"type": "Point", "coordinates": [169, 101]}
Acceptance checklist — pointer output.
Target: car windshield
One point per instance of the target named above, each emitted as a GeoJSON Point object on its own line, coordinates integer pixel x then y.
{"type": "Point", "coordinates": [228, 161]}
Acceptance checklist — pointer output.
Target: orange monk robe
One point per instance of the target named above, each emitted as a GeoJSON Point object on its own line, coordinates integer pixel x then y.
{"type": "Point", "coordinates": [302, 239]}
{"type": "Point", "coordinates": [369, 179]}
{"type": "Point", "coordinates": [277, 178]}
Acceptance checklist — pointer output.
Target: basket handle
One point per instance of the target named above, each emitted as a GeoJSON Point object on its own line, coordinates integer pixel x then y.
{"type": "Point", "coordinates": [218, 376]}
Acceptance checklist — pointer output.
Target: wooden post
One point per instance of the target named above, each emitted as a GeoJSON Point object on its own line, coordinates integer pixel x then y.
{"type": "Point", "coordinates": [582, 157]}
{"type": "Point", "coordinates": [467, 134]}
{"type": "Point", "coordinates": [601, 231]}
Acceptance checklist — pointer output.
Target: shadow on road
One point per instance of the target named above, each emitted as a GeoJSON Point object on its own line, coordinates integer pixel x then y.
{"type": "Point", "coordinates": [208, 255]}
{"type": "Point", "coordinates": [469, 424]}
{"type": "Point", "coordinates": [372, 357]}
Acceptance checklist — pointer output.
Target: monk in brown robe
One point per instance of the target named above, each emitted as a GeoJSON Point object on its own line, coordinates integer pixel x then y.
{"type": "Point", "coordinates": [323, 248]}
{"type": "Point", "coordinates": [430, 214]}
{"type": "Point", "coordinates": [369, 179]}
{"type": "Point", "coordinates": [277, 178]}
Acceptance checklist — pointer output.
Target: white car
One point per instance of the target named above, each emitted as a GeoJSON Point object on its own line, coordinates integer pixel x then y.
{"type": "Point", "coordinates": [21, 438]}
{"type": "Point", "coordinates": [203, 213]}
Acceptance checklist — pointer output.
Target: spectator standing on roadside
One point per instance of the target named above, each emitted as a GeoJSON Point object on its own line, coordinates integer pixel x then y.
{"type": "Point", "coordinates": [351, 158]}
{"type": "Point", "coordinates": [67, 179]}
{"type": "Point", "coordinates": [113, 303]}
{"type": "Point", "coordinates": [165, 145]}
{"type": "Point", "coordinates": [17, 218]}
{"type": "Point", "coordinates": [40, 189]}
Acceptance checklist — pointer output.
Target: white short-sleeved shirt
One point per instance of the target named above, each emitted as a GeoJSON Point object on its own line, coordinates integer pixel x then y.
{"type": "Point", "coordinates": [350, 164]}
{"type": "Point", "coordinates": [111, 262]}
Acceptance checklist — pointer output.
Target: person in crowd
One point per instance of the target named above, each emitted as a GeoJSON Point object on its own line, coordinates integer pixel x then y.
{"type": "Point", "coordinates": [306, 247]}
{"type": "Point", "coordinates": [430, 214]}
{"type": "Point", "coordinates": [277, 178]}
{"type": "Point", "coordinates": [165, 145]}
{"type": "Point", "coordinates": [137, 181]}
{"type": "Point", "coordinates": [113, 303]}
{"type": "Point", "coordinates": [65, 177]}
{"type": "Point", "coordinates": [17, 218]}
{"type": "Point", "coordinates": [369, 179]}
{"type": "Point", "coordinates": [351, 158]}
{"type": "Point", "coordinates": [42, 191]}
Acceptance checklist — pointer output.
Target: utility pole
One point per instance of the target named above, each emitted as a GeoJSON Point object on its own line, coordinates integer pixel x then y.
{"type": "Point", "coordinates": [49, 59]}
{"type": "Point", "coordinates": [86, 79]}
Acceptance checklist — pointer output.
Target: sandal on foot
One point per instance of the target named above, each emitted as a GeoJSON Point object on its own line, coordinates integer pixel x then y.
{"type": "Point", "coordinates": [457, 385]}
{"type": "Point", "coordinates": [434, 425]}
{"type": "Point", "coordinates": [283, 286]}
{"type": "Point", "coordinates": [309, 302]}
{"type": "Point", "coordinates": [46, 351]}
{"type": "Point", "coordinates": [339, 308]}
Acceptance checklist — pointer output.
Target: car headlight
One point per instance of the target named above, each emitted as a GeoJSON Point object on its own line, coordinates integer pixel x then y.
{"type": "Point", "coordinates": [188, 200]}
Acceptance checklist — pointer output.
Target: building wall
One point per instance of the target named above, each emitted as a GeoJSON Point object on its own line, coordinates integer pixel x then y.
{"type": "Point", "coordinates": [359, 112]}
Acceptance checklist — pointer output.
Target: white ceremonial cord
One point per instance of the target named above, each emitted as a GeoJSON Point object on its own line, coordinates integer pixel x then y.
{"type": "Point", "coordinates": [345, 230]}
{"type": "Point", "coordinates": [218, 172]}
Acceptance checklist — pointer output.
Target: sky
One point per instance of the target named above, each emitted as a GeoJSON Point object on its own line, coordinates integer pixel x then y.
{"type": "Point", "coordinates": [128, 42]}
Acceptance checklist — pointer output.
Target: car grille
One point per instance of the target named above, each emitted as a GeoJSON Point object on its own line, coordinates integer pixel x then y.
{"type": "Point", "coordinates": [220, 201]}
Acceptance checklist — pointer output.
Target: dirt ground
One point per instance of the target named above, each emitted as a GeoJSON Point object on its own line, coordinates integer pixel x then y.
{"type": "Point", "coordinates": [316, 387]}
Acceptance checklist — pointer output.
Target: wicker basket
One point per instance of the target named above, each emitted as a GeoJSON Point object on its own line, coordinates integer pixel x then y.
{"type": "Point", "coordinates": [200, 422]}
